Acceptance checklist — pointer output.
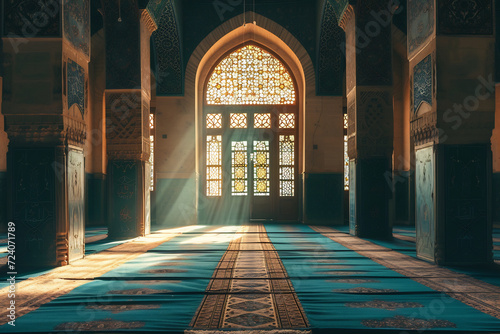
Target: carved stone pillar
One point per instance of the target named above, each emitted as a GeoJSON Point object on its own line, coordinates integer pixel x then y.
{"type": "Point", "coordinates": [369, 108]}
{"type": "Point", "coordinates": [127, 103]}
{"type": "Point", "coordinates": [451, 124]}
{"type": "Point", "coordinates": [45, 108]}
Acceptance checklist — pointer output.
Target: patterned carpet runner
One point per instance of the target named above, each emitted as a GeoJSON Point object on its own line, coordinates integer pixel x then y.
{"type": "Point", "coordinates": [250, 290]}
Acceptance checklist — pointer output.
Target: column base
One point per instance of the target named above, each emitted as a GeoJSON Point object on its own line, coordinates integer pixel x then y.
{"type": "Point", "coordinates": [369, 198]}
{"type": "Point", "coordinates": [453, 214]}
{"type": "Point", "coordinates": [46, 206]}
{"type": "Point", "coordinates": [126, 199]}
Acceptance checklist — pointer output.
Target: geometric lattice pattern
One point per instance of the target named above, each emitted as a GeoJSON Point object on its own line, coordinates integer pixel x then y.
{"type": "Point", "coordinates": [250, 76]}
{"type": "Point", "coordinates": [287, 165]}
{"type": "Point", "coordinates": [239, 168]}
{"type": "Point", "coordinates": [214, 121]}
{"type": "Point", "coordinates": [261, 168]}
{"type": "Point", "coordinates": [346, 154]}
{"type": "Point", "coordinates": [422, 83]}
{"type": "Point", "coordinates": [287, 121]}
{"type": "Point", "coordinates": [214, 166]}
{"type": "Point", "coordinates": [238, 121]}
{"type": "Point", "coordinates": [262, 121]}
{"type": "Point", "coordinates": [152, 151]}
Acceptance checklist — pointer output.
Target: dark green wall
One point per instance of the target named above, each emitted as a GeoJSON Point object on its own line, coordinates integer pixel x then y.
{"type": "Point", "coordinates": [298, 17]}
{"type": "Point", "coordinates": [496, 198]}
{"type": "Point", "coordinates": [324, 198]}
{"type": "Point", "coordinates": [3, 202]}
{"type": "Point", "coordinates": [95, 199]}
{"type": "Point", "coordinates": [403, 197]}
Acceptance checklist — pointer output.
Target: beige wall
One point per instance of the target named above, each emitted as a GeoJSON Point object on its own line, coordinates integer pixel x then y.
{"type": "Point", "coordinates": [461, 62]}
{"type": "Point", "coordinates": [32, 81]}
{"type": "Point", "coordinates": [324, 127]}
{"type": "Point", "coordinates": [96, 130]}
{"type": "Point", "coordinates": [402, 103]}
{"type": "Point", "coordinates": [175, 154]}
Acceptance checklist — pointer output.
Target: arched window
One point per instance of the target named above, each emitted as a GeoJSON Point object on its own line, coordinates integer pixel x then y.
{"type": "Point", "coordinates": [250, 129]}
{"type": "Point", "coordinates": [250, 75]}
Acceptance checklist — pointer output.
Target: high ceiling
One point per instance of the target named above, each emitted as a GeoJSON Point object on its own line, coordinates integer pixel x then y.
{"type": "Point", "coordinates": [183, 24]}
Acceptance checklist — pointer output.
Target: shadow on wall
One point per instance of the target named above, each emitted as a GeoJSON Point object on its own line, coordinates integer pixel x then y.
{"type": "Point", "coordinates": [496, 199]}
{"type": "Point", "coordinates": [175, 202]}
{"type": "Point", "coordinates": [3, 202]}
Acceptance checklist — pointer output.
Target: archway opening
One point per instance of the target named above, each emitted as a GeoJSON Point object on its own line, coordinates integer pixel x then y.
{"type": "Point", "coordinates": [249, 134]}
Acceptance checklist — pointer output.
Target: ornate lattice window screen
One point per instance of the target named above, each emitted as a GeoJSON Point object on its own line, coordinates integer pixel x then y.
{"type": "Point", "coordinates": [262, 121]}
{"type": "Point", "coordinates": [346, 155]}
{"type": "Point", "coordinates": [250, 75]}
{"type": "Point", "coordinates": [214, 121]}
{"type": "Point", "coordinates": [152, 152]}
{"type": "Point", "coordinates": [214, 166]}
{"type": "Point", "coordinates": [287, 165]}
{"type": "Point", "coordinates": [238, 121]}
{"type": "Point", "coordinates": [239, 168]}
{"type": "Point", "coordinates": [261, 168]}
{"type": "Point", "coordinates": [287, 121]}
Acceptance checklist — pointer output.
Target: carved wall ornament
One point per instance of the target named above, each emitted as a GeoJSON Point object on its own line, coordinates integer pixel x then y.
{"type": "Point", "coordinates": [423, 83]}
{"type": "Point", "coordinates": [77, 24]}
{"type": "Point", "coordinates": [169, 72]}
{"type": "Point", "coordinates": [421, 24]}
{"type": "Point", "coordinates": [331, 58]}
{"type": "Point", "coordinates": [471, 17]}
{"type": "Point", "coordinates": [76, 86]}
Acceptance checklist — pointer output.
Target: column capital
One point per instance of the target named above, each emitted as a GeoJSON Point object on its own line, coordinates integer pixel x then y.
{"type": "Point", "coordinates": [147, 19]}
{"type": "Point", "coordinates": [347, 17]}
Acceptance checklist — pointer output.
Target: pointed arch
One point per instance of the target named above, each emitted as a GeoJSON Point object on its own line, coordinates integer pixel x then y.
{"type": "Point", "coordinates": [250, 75]}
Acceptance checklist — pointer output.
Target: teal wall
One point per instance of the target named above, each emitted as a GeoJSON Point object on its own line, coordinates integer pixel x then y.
{"type": "Point", "coordinates": [324, 198]}
{"type": "Point", "coordinates": [175, 202]}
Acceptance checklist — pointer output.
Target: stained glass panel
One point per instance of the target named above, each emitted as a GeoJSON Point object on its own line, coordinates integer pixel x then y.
{"type": "Point", "coordinates": [287, 121]}
{"type": "Point", "coordinates": [214, 121]}
{"type": "Point", "coordinates": [214, 166]}
{"type": "Point", "coordinates": [262, 121]}
{"type": "Point", "coordinates": [238, 121]}
{"type": "Point", "coordinates": [239, 168]}
{"type": "Point", "coordinates": [250, 75]}
{"type": "Point", "coordinates": [261, 168]}
{"type": "Point", "coordinates": [287, 165]}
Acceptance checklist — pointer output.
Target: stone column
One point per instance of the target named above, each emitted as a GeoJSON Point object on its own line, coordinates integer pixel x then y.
{"type": "Point", "coordinates": [46, 112]}
{"type": "Point", "coordinates": [369, 108]}
{"type": "Point", "coordinates": [451, 68]}
{"type": "Point", "coordinates": [127, 102]}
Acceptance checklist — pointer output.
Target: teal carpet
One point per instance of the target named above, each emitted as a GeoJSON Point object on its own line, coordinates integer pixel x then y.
{"type": "Point", "coordinates": [158, 291]}
{"type": "Point", "coordinates": [340, 289]}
